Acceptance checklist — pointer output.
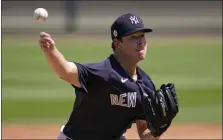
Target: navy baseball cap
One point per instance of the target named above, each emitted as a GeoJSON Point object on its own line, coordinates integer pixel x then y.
{"type": "Point", "coordinates": [127, 24]}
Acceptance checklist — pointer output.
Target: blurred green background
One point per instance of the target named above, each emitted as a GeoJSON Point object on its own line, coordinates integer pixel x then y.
{"type": "Point", "coordinates": [185, 48]}
{"type": "Point", "coordinates": [31, 92]}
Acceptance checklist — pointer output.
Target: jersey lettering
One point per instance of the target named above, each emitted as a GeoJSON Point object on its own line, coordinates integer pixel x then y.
{"type": "Point", "coordinates": [132, 99]}
{"type": "Point", "coordinates": [124, 100]}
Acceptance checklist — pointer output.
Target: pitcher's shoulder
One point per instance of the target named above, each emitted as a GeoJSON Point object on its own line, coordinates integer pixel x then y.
{"type": "Point", "coordinates": [101, 68]}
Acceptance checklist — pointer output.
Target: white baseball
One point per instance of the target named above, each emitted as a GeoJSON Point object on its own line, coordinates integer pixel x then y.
{"type": "Point", "coordinates": [40, 14]}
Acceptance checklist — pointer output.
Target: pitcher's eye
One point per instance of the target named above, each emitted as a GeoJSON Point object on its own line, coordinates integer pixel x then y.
{"type": "Point", "coordinates": [142, 35]}
{"type": "Point", "coordinates": [134, 37]}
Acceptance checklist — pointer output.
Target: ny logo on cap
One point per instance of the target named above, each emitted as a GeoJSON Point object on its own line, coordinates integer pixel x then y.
{"type": "Point", "coordinates": [134, 20]}
{"type": "Point", "coordinates": [115, 33]}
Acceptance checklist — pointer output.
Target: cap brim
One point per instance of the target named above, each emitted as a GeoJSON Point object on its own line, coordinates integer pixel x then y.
{"type": "Point", "coordinates": [145, 30]}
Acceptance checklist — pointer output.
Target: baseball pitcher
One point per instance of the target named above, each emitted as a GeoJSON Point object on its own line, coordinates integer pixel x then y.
{"type": "Point", "coordinates": [115, 92]}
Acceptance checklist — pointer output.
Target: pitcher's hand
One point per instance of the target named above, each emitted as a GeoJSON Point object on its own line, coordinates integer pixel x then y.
{"type": "Point", "coordinates": [46, 42]}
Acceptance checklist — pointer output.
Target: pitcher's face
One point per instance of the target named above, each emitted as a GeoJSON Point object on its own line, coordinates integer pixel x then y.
{"type": "Point", "coordinates": [134, 46]}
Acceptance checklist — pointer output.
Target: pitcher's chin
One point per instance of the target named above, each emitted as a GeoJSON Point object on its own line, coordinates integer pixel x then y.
{"type": "Point", "coordinates": [142, 55]}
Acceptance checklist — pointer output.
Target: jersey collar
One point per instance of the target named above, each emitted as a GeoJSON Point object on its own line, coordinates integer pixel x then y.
{"type": "Point", "coordinates": [117, 67]}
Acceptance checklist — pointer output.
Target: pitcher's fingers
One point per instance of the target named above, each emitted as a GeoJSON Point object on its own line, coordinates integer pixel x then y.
{"type": "Point", "coordinates": [44, 34]}
{"type": "Point", "coordinates": [42, 41]}
{"type": "Point", "coordinates": [49, 40]}
{"type": "Point", "coordinates": [42, 44]}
